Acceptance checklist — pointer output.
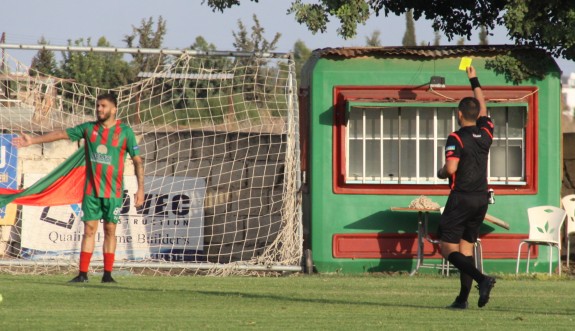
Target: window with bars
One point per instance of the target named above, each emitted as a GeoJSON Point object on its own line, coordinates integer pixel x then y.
{"type": "Point", "coordinates": [391, 144]}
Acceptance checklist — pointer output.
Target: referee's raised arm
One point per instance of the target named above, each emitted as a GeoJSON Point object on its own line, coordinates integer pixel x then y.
{"type": "Point", "coordinates": [477, 92]}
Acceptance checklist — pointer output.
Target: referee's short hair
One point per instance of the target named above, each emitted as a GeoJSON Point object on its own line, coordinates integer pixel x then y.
{"type": "Point", "coordinates": [469, 107]}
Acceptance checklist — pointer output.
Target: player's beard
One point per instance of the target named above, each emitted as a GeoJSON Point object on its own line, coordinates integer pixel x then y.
{"type": "Point", "coordinates": [103, 117]}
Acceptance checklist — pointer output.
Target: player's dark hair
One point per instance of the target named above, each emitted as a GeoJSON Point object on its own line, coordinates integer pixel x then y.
{"type": "Point", "coordinates": [110, 97]}
{"type": "Point", "coordinates": [469, 107]}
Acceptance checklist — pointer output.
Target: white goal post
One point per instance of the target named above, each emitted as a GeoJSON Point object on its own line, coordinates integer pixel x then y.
{"type": "Point", "coordinates": [218, 132]}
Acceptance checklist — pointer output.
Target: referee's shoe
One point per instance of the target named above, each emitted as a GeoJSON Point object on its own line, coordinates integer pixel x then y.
{"type": "Point", "coordinates": [484, 290]}
{"type": "Point", "coordinates": [458, 304]}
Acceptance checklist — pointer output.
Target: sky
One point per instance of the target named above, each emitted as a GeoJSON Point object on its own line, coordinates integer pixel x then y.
{"type": "Point", "coordinates": [26, 21]}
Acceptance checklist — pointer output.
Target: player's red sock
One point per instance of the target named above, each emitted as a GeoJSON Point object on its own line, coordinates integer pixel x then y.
{"type": "Point", "coordinates": [85, 258]}
{"type": "Point", "coordinates": [109, 261]}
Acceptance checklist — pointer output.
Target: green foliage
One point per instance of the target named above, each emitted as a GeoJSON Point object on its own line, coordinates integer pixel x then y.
{"type": "Point", "coordinates": [254, 41]}
{"type": "Point", "coordinates": [103, 70]}
{"type": "Point", "coordinates": [251, 73]}
{"type": "Point", "coordinates": [315, 16]}
{"type": "Point", "coordinates": [44, 62]}
{"type": "Point", "coordinates": [546, 24]}
{"type": "Point", "coordinates": [222, 4]}
{"type": "Point", "coordinates": [521, 66]}
{"type": "Point", "coordinates": [373, 40]}
{"type": "Point", "coordinates": [301, 54]}
{"type": "Point", "coordinates": [145, 36]}
{"type": "Point", "coordinates": [409, 35]}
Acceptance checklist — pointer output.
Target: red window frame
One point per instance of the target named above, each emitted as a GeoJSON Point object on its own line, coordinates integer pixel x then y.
{"type": "Point", "coordinates": [406, 94]}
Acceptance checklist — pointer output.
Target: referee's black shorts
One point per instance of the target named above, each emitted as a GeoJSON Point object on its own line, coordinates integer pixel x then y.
{"type": "Point", "coordinates": [462, 217]}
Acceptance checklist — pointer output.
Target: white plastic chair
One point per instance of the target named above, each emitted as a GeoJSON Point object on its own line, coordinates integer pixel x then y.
{"type": "Point", "coordinates": [544, 229]}
{"type": "Point", "coordinates": [569, 206]}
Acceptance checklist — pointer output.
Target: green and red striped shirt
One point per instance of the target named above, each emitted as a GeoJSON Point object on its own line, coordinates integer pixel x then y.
{"type": "Point", "coordinates": [106, 152]}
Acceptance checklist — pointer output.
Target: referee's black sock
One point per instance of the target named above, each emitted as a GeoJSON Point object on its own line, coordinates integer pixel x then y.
{"type": "Point", "coordinates": [466, 283]}
{"type": "Point", "coordinates": [461, 262]}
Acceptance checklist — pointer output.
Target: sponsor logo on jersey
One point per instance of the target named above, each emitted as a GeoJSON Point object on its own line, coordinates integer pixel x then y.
{"type": "Point", "coordinates": [476, 135]}
{"type": "Point", "coordinates": [102, 149]}
{"type": "Point", "coordinates": [450, 148]}
{"type": "Point", "coordinates": [101, 155]}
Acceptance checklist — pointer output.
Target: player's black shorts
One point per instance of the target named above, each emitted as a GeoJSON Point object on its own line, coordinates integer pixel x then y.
{"type": "Point", "coordinates": [462, 217]}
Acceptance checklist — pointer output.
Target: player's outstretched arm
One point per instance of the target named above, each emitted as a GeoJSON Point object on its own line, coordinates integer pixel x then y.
{"type": "Point", "coordinates": [25, 140]}
{"type": "Point", "coordinates": [477, 92]}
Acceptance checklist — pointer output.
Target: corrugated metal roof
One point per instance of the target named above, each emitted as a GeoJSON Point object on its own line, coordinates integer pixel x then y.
{"type": "Point", "coordinates": [423, 51]}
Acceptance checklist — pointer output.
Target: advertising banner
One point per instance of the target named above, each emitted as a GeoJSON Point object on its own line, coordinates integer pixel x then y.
{"type": "Point", "coordinates": [168, 227]}
{"type": "Point", "coordinates": [8, 173]}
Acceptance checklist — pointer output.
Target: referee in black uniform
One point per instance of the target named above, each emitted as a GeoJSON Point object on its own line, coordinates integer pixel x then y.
{"type": "Point", "coordinates": [466, 153]}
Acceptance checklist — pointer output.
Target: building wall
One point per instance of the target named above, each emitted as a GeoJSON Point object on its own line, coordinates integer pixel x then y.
{"type": "Point", "coordinates": [332, 214]}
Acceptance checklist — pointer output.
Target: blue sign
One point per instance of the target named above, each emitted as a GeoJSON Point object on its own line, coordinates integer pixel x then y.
{"type": "Point", "coordinates": [8, 162]}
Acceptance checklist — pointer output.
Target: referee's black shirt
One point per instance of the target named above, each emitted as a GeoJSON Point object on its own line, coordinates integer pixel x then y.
{"type": "Point", "coordinates": [470, 144]}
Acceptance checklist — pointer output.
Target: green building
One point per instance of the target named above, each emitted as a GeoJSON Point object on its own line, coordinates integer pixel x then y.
{"type": "Point", "coordinates": [374, 122]}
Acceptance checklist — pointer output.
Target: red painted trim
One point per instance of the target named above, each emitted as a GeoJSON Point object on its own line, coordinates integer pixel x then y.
{"type": "Point", "coordinates": [404, 246]}
{"type": "Point", "coordinates": [344, 94]}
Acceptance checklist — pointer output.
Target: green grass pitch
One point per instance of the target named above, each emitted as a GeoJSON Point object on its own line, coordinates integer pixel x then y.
{"type": "Point", "coordinates": [294, 302]}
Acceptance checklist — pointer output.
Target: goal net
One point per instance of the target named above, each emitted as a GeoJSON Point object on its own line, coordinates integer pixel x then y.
{"type": "Point", "coordinates": [218, 136]}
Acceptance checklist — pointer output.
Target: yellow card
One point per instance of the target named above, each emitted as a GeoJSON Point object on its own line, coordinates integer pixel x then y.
{"type": "Point", "coordinates": [465, 62]}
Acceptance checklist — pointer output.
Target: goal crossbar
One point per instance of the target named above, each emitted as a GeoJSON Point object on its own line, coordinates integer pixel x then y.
{"type": "Point", "coordinates": [136, 50]}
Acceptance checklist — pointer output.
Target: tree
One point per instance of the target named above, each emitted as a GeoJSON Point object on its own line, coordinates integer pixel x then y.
{"type": "Point", "coordinates": [254, 70]}
{"type": "Point", "coordinates": [102, 70]}
{"type": "Point", "coordinates": [554, 30]}
{"type": "Point", "coordinates": [483, 40]}
{"type": "Point", "coordinates": [373, 40]}
{"type": "Point", "coordinates": [409, 35]}
{"type": "Point", "coordinates": [437, 38]}
{"type": "Point", "coordinates": [206, 65]}
{"type": "Point", "coordinates": [44, 62]}
{"type": "Point", "coordinates": [256, 41]}
{"type": "Point", "coordinates": [145, 36]}
{"type": "Point", "coordinates": [301, 54]}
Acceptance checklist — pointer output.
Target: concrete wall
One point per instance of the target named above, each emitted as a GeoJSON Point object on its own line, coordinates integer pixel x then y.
{"type": "Point", "coordinates": [244, 181]}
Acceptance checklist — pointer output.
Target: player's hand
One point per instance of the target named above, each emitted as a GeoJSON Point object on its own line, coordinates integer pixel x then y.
{"type": "Point", "coordinates": [139, 199]}
{"type": "Point", "coordinates": [23, 140]}
{"type": "Point", "coordinates": [470, 72]}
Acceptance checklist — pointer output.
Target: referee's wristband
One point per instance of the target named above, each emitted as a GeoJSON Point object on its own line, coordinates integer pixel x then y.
{"type": "Point", "coordinates": [474, 83]}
